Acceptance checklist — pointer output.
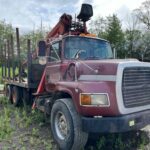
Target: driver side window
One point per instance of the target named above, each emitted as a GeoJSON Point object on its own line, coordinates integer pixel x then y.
{"type": "Point", "coordinates": [55, 52]}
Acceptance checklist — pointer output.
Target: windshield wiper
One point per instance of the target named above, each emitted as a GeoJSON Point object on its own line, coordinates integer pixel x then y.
{"type": "Point", "coordinates": [76, 55]}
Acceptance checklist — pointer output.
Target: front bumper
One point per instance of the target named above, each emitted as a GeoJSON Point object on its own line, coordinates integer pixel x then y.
{"type": "Point", "coordinates": [123, 123]}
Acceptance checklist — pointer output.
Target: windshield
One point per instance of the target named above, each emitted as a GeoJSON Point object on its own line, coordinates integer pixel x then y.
{"type": "Point", "coordinates": [86, 48]}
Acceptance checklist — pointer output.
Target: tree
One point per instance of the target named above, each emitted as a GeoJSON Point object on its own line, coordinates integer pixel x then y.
{"type": "Point", "coordinates": [98, 26]}
{"type": "Point", "coordinates": [145, 51]}
{"type": "Point", "coordinates": [35, 36]}
{"type": "Point", "coordinates": [132, 36]}
{"type": "Point", "coordinates": [134, 43]}
{"type": "Point", "coordinates": [5, 31]}
{"type": "Point", "coordinates": [143, 13]}
{"type": "Point", "coordinates": [115, 35]}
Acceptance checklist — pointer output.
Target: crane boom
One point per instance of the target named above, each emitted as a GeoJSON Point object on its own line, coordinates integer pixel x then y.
{"type": "Point", "coordinates": [61, 27]}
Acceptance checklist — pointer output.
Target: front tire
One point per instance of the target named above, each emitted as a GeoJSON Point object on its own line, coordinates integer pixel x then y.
{"type": "Point", "coordinates": [66, 126]}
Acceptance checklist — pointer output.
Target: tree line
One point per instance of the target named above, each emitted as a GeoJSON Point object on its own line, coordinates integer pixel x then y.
{"type": "Point", "coordinates": [6, 31]}
{"type": "Point", "coordinates": [131, 41]}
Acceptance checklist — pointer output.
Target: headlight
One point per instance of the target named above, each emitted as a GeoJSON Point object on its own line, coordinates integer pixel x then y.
{"type": "Point", "coordinates": [94, 99]}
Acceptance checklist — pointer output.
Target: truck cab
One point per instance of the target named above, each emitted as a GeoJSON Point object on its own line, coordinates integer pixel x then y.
{"type": "Point", "coordinates": [92, 92]}
{"type": "Point", "coordinates": [72, 49]}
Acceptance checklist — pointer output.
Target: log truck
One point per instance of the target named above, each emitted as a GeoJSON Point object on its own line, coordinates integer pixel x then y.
{"type": "Point", "coordinates": [80, 85]}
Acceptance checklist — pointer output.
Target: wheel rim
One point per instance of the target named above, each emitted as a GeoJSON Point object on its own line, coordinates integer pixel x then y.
{"type": "Point", "coordinates": [61, 125]}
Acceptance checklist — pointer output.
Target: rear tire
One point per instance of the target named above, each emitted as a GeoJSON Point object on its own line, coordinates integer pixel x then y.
{"type": "Point", "coordinates": [16, 96]}
{"type": "Point", "coordinates": [8, 92]}
{"type": "Point", "coordinates": [26, 97]}
{"type": "Point", "coordinates": [66, 126]}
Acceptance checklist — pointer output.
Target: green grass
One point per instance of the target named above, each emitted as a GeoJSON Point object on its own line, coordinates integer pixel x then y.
{"type": "Point", "coordinates": [130, 140]}
{"type": "Point", "coordinates": [0, 75]}
{"type": "Point", "coordinates": [22, 129]}
{"type": "Point", "coordinates": [1, 87]}
{"type": "Point", "coordinates": [5, 124]}
{"type": "Point", "coordinates": [11, 71]}
{"type": "Point", "coordinates": [25, 129]}
{"type": "Point", "coordinates": [5, 121]}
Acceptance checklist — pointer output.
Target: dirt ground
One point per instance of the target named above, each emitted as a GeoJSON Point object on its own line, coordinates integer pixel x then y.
{"type": "Point", "coordinates": [29, 131]}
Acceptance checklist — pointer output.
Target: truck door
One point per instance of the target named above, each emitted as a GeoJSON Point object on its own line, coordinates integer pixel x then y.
{"type": "Point", "coordinates": [53, 66]}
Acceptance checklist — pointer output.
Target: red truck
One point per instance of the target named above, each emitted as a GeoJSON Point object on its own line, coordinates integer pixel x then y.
{"type": "Point", "coordinates": [79, 84]}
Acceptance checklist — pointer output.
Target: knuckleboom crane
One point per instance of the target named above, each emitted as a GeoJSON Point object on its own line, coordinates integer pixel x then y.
{"type": "Point", "coordinates": [65, 26]}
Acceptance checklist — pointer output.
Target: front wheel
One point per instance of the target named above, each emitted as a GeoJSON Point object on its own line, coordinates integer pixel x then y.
{"type": "Point", "coordinates": [66, 126]}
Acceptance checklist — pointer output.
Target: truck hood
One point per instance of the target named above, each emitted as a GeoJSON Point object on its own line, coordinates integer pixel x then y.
{"type": "Point", "coordinates": [100, 67]}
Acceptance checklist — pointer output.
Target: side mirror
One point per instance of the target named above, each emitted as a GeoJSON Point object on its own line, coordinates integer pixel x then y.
{"type": "Point", "coordinates": [42, 48]}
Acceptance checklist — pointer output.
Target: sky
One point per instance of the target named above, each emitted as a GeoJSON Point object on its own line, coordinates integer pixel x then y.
{"type": "Point", "coordinates": [27, 14]}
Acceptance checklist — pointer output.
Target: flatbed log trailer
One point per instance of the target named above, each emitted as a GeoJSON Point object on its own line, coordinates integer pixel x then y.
{"type": "Point", "coordinates": [79, 85]}
{"type": "Point", "coordinates": [21, 78]}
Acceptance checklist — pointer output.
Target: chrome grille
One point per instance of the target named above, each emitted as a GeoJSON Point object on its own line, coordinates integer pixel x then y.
{"type": "Point", "coordinates": [136, 86]}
